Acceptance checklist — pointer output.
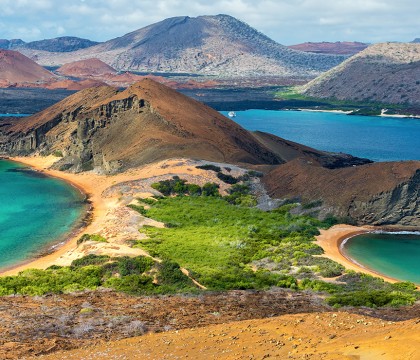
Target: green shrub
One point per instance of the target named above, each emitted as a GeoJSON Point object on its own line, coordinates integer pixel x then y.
{"type": "Point", "coordinates": [209, 167]}
{"type": "Point", "coordinates": [140, 209]}
{"type": "Point", "coordinates": [210, 189]}
{"type": "Point", "coordinates": [228, 179]}
{"type": "Point", "coordinates": [90, 259]}
{"type": "Point", "coordinates": [134, 266]}
{"type": "Point", "coordinates": [374, 298]}
{"type": "Point", "coordinates": [91, 237]}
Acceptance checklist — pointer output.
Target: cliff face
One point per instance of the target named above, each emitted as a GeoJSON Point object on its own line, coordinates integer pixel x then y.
{"type": "Point", "coordinates": [111, 130]}
{"type": "Point", "coordinates": [378, 194]}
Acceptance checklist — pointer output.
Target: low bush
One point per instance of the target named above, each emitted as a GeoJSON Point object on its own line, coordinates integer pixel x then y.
{"type": "Point", "coordinates": [209, 167]}
{"type": "Point", "coordinates": [91, 237]}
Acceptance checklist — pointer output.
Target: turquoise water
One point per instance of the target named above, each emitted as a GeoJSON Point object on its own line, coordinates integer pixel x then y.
{"type": "Point", "coordinates": [35, 212]}
{"type": "Point", "coordinates": [394, 255]}
{"type": "Point", "coordinates": [372, 137]}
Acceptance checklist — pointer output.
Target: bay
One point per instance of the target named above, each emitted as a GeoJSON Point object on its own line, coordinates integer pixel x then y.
{"type": "Point", "coordinates": [372, 137]}
{"type": "Point", "coordinates": [396, 255]}
{"type": "Point", "coordinates": [36, 212]}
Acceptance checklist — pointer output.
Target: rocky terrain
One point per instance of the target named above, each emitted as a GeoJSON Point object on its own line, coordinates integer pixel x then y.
{"type": "Point", "coordinates": [111, 130]}
{"type": "Point", "coordinates": [388, 73]}
{"type": "Point", "coordinates": [17, 68]}
{"type": "Point", "coordinates": [59, 44]}
{"type": "Point", "coordinates": [37, 326]}
{"type": "Point", "coordinates": [377, 194]}
{"type": "Point", "coordinates": [338, 47]}
{"type": "Point", "coordinates": [213, 45]}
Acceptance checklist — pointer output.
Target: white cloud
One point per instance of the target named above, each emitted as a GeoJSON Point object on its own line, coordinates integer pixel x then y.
{"type": "Point", "coordinates": [287, 21]}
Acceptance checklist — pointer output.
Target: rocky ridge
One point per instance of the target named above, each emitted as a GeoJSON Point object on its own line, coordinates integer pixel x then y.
{"type": "Point", "coordinates": [376, 194]}
{"type": "Point", "coordinates": [59, 44]}
{"type": "Point", "coordinates": [388, 73]}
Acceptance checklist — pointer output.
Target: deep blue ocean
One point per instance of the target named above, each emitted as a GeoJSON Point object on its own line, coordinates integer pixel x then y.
{"type": "Point", "coordinates": [35, 212]}
{"type": "Point", "coordinates": [375, 138]}
{"type": "Point", "coordinates": [372, 137]}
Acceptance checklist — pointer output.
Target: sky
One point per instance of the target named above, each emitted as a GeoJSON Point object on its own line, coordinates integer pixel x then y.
{"type": "Point", "coordinates": [286, 21]}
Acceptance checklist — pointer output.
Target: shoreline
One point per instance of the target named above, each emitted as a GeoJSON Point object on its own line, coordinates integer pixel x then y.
{"type": "Point", "coordinates": [49, 254]}
{"type": "Point", "coordinates": [332, 239]}
{"type": "Point", "coordinates": [108, 215]}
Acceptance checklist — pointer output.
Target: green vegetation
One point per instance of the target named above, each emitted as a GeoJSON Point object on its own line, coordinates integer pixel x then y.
{"type": "Point", "coordinates": [225, 243]}
{"type": "Point", "coordinates": [91, 237]}
{"type": "Point", "coordinates": [132, 275]}
{"type": "Point", "coordinates": [368, 108]}
{"type": "Point", "coordinates": [177, 186]}
{"type": "Point", "coordinates": [209, 167]}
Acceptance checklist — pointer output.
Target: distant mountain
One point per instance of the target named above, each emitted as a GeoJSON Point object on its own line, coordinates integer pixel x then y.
{"type": "Point", "coordinates": [416, 40]}
{"type": "Point", "coordinates": [84, 68]}
{"type": "Point", "coordinates": [215, 45]}
{"type": "Point", "coordinates": [17, 68]}
{"type": "Point", "coordinates": [386, 73]}
{"type": "Point", "coordinates": [59, 44]}
{"type": "Point", "coordinates": [10, 44]}
{"type": "Point", "coordinates": [339, 47]}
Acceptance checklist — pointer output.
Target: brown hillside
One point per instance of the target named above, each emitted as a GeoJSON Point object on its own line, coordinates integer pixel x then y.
{"type": "Point", "coordinates": [111, 129]}
{"type": "Point", "coordinates": [386, 73]}
{"type": "Point", "coordinates": [379, 193]}
{"type": "Point", "coordinates": [17, 68]}
{"type": "Point", "coordinates": [86, 68]}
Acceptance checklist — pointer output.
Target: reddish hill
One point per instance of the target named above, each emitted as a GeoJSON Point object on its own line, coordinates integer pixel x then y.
{"type": "Point", "coordinates": [112, 130]}
{"type": "Point", "coordinates": [378, 193]}
{"type": "Point", "coordinates": [339, 47]}
{"type": "Point", "coordinates": [86, 68]}
{"type": "Point", "coordinates": [17, 68]}
{"type": "Point", "coordinates": [75, 85]}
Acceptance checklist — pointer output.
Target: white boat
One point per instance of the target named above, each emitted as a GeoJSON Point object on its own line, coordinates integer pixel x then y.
{"type": "Point", "coordinates": [231, 114]}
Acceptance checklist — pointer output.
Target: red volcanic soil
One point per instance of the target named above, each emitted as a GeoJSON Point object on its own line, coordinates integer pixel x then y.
{"type": "Point", "coordinates": [86, 68]}
{"type": "Point", "coordinates": [339, 47]}
{"type": "Point", "coordinates": [17, 68]}
{"type": "Point", "coordinates": [75, 85]}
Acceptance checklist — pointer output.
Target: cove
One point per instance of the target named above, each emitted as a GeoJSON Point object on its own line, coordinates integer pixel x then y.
{"type": "Point", "coordinates": [36, 212]}
{"type": "Point", "coordinates": [395, 255]}
{"type": "Point", "coordinates": [372, 137]}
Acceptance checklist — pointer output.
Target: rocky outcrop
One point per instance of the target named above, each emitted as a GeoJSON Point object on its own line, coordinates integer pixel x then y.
{"type": "Point", "coordinates": [388, 73]}
{"type": "Point", "coordinates": [111, 130]}
{"type": "Point", "coordinates": [377, 194]}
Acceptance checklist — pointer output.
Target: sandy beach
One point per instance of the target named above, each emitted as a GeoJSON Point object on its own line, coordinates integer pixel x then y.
{"type": "Point", "coordinates": [331, 239]}
{"type": "Point", "coordinates": [110, 217]}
